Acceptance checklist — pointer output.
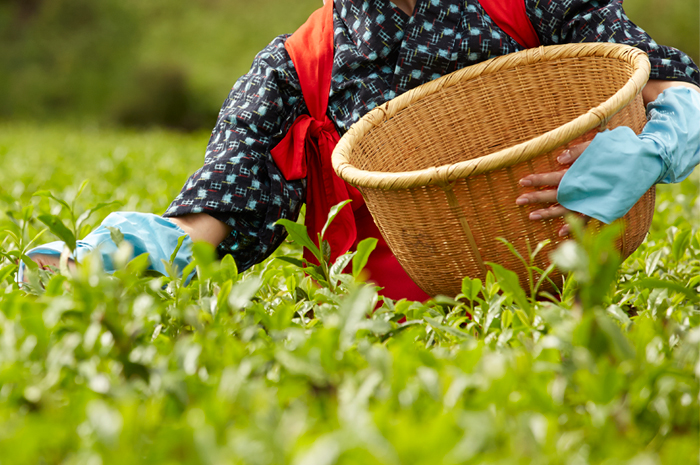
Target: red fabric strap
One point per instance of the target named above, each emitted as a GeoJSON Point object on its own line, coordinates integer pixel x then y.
{"type": "Point", "coordinates": [511, 16]}
{"type": "Point", "coordinates": [306, 149]}
{"type": "Point", "coordinates": [311, 50]}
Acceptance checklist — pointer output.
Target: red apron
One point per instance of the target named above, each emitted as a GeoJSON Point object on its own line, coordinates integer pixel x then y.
{"type": "Point", "coordinates": [305, 151]}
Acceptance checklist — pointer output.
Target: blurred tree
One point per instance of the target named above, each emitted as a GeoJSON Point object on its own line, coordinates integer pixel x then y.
{"type": "Point", "coordinates": [131, 62]}
{"type": "Point", "coordinates": [172, 63]}
{"type": "Point", "coordinates": [162, 95]}
{"type": "Point", "coordinates": [63, 56]}
{"type": "Point", "coordinates": [669, 22]}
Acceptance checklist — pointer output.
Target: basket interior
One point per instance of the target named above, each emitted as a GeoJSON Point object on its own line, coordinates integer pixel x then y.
{"type": "Point", "coordinates": [489, 113]}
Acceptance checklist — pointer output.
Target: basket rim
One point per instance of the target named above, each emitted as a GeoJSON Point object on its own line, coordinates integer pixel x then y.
{"type": "Point", "coordinates": [445, 174]}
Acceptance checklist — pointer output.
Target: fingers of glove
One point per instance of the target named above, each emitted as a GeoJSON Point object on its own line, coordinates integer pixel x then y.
{"type": "Point", "coordinates": [543, 196]}
{"type": "Point", "coordinates": [543, 179]}
{"type": "Point", "coordinates": [570, 155]}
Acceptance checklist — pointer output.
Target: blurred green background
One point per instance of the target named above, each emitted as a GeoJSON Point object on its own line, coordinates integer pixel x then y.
{"type": "Point", "coordinates": [171, 63]}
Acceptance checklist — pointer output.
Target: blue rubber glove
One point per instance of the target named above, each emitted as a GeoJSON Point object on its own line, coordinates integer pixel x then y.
{"type": "Point", "coordinates": [618, 167]}
{"type": "Point", "coordinates": [147, 233]}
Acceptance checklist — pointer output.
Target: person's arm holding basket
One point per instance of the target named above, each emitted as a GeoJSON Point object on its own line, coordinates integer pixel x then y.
{"type": "Point", "coordinates": [615, 169]}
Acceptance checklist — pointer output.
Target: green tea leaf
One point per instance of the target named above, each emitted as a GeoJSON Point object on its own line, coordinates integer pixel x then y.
{"type": "Point", "coordinates": [204, 256]}
{"type": "Point", "coordinates": [652, 262]}
{"type": "Point", "coordinates": [623, 349]}
{"type": "Point", "coordinates": [180, 240]}
{"type": "Point", "coordinates": [506, 319]}
{"type": "Point", "coordinates": [523, 317]}
{"type": "Point", "coordinates": [325, 249]}
{"type": "Point", "coordinates": [189, 270]}
{"type": "Point", "coordinates": [82, 187]}
{"type": "Point", "coordinates": [655, 283]}
{"type": "Point", "coordinates": [541, 245]}
{"type": "Point", "coordinates": [335, 209]}
{"type": "Point", "coordinates": [88, 213]}
{"type": "Point", "coordinates": [544, 276]}
{"type": "Point", "coordinates": [509, 282]}
{"type": "Point", "coordinates": [222, 297]}
{"type": "Point", "coordinates": [229, 268]}
{"type": "Point", "coordinates": [681, 242]}
{"type": "Point", "coordinates": [299, 235]}
{"type": "Point", "coordinates": [138, 264]}
{"type": "Point", "coordinates": [340, 264]}
{"type": "Point", "coordinates": [466, 288]}
{"type": "Point", "coordinates": [570, 256]}
{"type": "Point", "coordinates": [7, 271]}
{"type": "Point", "coordinates": [298, 366]}
{"type": "Point", "coordinates": [512, 250]}
{"type": "Point", "coordinates": [364, 249]}
{"type": "Point", "coordinates": [204, 253]}
{"type": "Point", "coordinates": [54, 287]}
{"type": "Point", "coordinates": [45, 193]}
{"type": "Point", "coordinates": [477, 285]}
{"type": "Point", "coordinates": [36, 239]}
{"type": "Point", "coordinates": [315, 272]}
{"type": "Point", "coordinates": [448, 329]}
{"type": "Point", "coordinates": [29, 263]}
{"type": "Point", "coordinates": [294, 261]}
{"type": "Point", "coordinates": [57, 227]}
{"type": "Point", "coordinates": [116, 235]}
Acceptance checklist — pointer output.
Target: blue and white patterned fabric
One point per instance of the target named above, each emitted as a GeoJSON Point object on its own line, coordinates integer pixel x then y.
{"type": "Point", "coordinates": [380, 52]}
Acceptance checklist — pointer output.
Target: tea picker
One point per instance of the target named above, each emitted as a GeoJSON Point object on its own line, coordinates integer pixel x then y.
{"type": "Point", "coordinates": [271, 148]}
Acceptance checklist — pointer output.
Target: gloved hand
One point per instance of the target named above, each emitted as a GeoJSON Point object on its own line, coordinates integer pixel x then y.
{"type": "Point", "coordinates": [147, 233]}
{"type": "Point", "coordinates": [618, 167]}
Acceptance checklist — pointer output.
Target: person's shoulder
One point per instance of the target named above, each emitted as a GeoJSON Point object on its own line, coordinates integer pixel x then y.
{"type": "Point", "coordinates": [275, 44]}
{"type": "Point", "coordinates": [274, 53]}
{"type": "Point", "coordinates": [274, 62]}
{"type": "Point", "coordinates": [280, 40]}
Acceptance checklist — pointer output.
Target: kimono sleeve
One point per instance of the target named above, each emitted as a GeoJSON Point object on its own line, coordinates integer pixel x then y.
{"type": "Point", "coordinates": [239, 183]}
{"type": "Point", "coordinates": [572, 21]}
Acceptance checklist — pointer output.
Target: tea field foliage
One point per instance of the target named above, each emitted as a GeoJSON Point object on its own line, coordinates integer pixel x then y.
{"type": "Point", "coordinates": [271, 366]}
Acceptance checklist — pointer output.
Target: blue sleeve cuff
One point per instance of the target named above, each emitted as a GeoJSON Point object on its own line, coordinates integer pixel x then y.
{"type": "Point", "coordinates": [674, 124]}
{"type": "Point", "coordinates": [618, 167]}
{"type": "Point", "coordinates": [602, 183]}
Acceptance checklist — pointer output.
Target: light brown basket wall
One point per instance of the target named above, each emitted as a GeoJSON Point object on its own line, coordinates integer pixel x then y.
{"type": "Point", "coordinates": [443, 160]}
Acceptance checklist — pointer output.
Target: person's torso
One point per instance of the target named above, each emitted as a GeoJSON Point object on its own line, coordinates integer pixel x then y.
{"type": "Point", "coordinates": [381, 52]}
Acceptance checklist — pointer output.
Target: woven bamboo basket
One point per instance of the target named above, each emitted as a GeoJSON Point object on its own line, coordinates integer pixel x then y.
{"type": "Point", "coordinates": [439, 165]}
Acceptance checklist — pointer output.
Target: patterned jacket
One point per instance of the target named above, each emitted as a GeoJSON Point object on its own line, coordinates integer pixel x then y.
{"type": "Point", "coordinates": [380, 52]}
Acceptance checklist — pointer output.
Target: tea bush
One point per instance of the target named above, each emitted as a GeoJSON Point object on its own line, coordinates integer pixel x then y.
{"type": "Point", "coordinates": [271, 366]}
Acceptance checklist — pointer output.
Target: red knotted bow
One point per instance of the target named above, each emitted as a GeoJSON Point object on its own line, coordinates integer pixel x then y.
{"type": "Point", "coordinates": [305, 151]}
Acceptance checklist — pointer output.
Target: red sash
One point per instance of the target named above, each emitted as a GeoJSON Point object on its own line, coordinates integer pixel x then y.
{"type": "Point", "coordinates": [511, 16]}
{"type": "Point", "coordinates": [305, 151]}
